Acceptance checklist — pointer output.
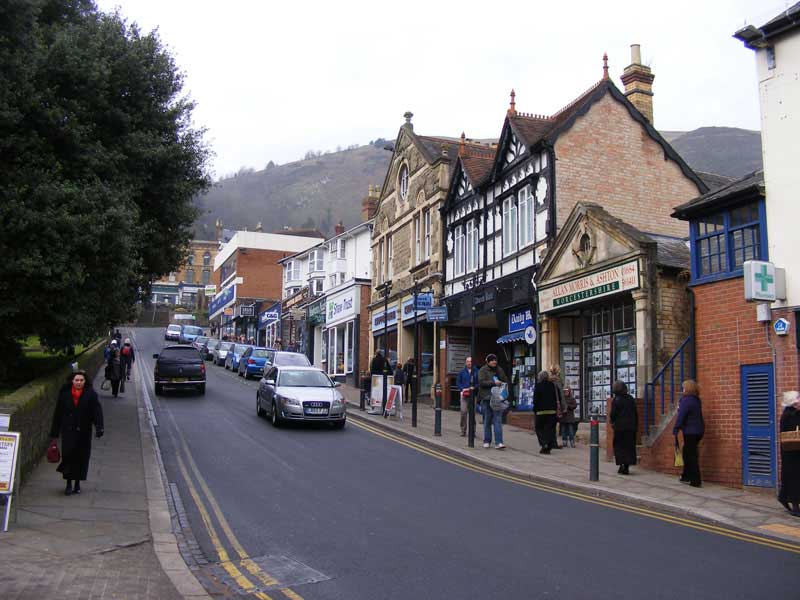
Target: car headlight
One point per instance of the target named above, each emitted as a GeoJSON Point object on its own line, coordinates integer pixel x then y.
{"type": "Point", "coordinates": [289, 401]}
{"type": "Point", "coordinates": [338, 401]}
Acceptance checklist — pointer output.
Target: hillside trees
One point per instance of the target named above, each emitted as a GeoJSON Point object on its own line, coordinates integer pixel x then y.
{"type": "Point", "coordinates": [99, 163]}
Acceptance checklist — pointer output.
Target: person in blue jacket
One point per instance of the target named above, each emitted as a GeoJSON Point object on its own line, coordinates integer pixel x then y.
{"type": "Point", "coordinates": [690, 422]}
{"type": "Point", "coordinates": [467, 383]}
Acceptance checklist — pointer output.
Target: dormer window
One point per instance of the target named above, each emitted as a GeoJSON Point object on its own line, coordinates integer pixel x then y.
{"type": "Point", "coordinates": [403, 182]}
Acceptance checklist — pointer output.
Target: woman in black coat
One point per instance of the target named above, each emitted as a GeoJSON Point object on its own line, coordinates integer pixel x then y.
{"type": "Point", "coordinates": [789, 494]}
{"type": "Point", "coordinates": [625, 421]}
{"type": "Point", "coordinates": [115, 372]}
{"type": "Point", "coordinates": [545, 399]}
{"type": "Point", "coordinates": [77, 409]}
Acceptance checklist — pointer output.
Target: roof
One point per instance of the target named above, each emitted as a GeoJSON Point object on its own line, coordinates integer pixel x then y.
{"type": "Point", "coordinates": [714, 181]}
{"type": "Point", "coordinates": [747, 187]}
{"type": "Point", "coordinates": [301, 232]}
{"type": "Point", "coordinates": [263, 241]}
{"type": "Point", "coordinates": [477, 162]}
{"type": "Point", "coordinates": [757, 37]}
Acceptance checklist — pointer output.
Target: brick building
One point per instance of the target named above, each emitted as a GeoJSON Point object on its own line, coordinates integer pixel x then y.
{"type": "Point", "coordinates": [185, 286]}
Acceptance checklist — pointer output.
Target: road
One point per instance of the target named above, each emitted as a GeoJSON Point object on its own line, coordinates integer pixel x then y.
{"type": "Point", "coordinates": [352, 515]}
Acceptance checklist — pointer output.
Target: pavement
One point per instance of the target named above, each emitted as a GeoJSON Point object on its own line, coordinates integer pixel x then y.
{"type": "Point", "coordinates": [746, 509]}
{"type": "Point", "coordinates": [115, 540]}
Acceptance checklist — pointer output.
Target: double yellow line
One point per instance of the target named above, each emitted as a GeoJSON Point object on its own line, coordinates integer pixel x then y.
{"type": "Point", "coordinates": [203, 496]}
{"type": "Point", "coordinates": [667, 518]}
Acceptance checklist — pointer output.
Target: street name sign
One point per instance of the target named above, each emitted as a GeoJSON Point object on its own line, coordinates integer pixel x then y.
{"type": "Point", "coordinates": [437, 313]}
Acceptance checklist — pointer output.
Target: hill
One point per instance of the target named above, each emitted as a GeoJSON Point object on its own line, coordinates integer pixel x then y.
{"type": "Point", "coordinates": [321, 190]}
{"type": "Point", "coordinates": [313, 193]}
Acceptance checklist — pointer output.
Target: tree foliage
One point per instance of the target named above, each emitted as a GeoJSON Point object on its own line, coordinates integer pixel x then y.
{"type": "Point", "coordinates": [99, 163]}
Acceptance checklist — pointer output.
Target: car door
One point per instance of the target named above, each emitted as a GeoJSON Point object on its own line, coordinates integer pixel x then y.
{"type": "Point", "coordinates": [269, 389]}
{"type": "Point", "coordinates": [243, 361]}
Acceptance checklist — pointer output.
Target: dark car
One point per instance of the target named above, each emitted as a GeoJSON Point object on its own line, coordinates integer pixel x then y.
{"type": "Point", "coordinates": [208, 348]}
{"type": "Point", "coordinates": [252, 362]}
{"type": "Point", "coordinates": [180, 367]}
{"type": "Point", "coordinates": [279, 358]}
{"type": "Point", "coordinates": [199, 342]}
{"type": "Point", "coordinates": [300, 394]}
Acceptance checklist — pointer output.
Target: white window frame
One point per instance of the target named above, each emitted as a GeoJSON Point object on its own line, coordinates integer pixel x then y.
{"type": "Point", "coordinates": [525, 216]}
{"type": "Point", "coordinates": [471, 242]}
{"type": "Point", "coordinates": [426, 218]}
{"type": "Point", "coordinates": [417, 238]}
{"type": "Point", "coordinates": [458, 250]}
{"type": "Point", "coordinates": [317, 287]}
{"type": "Point", "coordinates": [341, 248]}
{"type": "Point", "coordinates": [380, 262]}
{"type": "Point", "coordinates": [316, 260]}
{"type": "Point", "coordinates": [292, 271]}
{"type": "Point", "coordinates": [403, 182]}
{"type": "Point", "coordinates": [509, 226]}
{"type": "Point", "coordinates": [389, 257]}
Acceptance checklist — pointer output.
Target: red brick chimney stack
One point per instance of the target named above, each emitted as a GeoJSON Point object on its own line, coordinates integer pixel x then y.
{"type": "Point", "coordinates": [605, 65]}
{"type": "Point", "coordinates": [369, 205]}
{"type": "Point", "coordinates": [339, 229]}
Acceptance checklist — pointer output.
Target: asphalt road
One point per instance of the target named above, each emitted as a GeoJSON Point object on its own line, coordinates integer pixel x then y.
{"type": "Point", "coordinates": [375, 519]}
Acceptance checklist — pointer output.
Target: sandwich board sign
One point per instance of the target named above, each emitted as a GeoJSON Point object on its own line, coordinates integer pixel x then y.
{"type": "Point", "coordinates": [9, 453]}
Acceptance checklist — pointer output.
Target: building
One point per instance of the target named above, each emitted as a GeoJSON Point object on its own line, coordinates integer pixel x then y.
{"type": "Point", "coordinates": [561, 189]}
{"type": "Point", "coordinates": [407, 247]}
{"type": "Point", "coordinates": [185, 286]}
{"type": "Point", "coordinates": [247, 274]}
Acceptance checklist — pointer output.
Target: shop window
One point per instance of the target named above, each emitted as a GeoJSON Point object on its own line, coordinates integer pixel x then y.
{"type": "Point", "coordinates": [350, 344]}
{"type": "Point", "coordinates": [722, 242]}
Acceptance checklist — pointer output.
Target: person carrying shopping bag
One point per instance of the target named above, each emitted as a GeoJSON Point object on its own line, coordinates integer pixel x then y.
{"type": "Point", "coordinates": [491, 383]}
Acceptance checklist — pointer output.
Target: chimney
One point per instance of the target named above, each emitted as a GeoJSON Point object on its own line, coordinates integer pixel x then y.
{"type": "Point", "coordinates": [369, 205]}
{"type": "Point", "coordinates": [638, 82]}
{"type": "Point", "coordinates": [259, 227]}
{"type": "Point", "coordinates": [462, 145]}
{"type": "Point", "coordinates": [339, 228]}
{"type": "Point", "coordinates": [218, 229]}
{"type": "Point", "coordinates": [512, 106]}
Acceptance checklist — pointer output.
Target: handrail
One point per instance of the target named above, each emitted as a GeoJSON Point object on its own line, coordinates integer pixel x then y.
{"type": "Point", "coordinates": [686, 370]}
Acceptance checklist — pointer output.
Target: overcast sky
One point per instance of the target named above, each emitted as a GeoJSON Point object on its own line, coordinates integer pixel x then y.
{"type": "Point", "coordinates": [275, 79]}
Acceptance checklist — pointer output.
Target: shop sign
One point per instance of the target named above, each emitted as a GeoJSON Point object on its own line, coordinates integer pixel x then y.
{"type": "Point", "coordinates": [221, 300]}
{"type": "Point", "coordinates": [530, 335]}
{"type": "Point", "coordinates": [316, 312]}
{"type": "Point", "coordinates": [379, 320]}
{"type": "Point", "coordinates": [341, 307]}
{"type": "Point", "coordinates": [247, 311]}
{"type": "Point", "coordinates": [408, 310]}
{"type": "Point", "coordinates": [437, 313]}
{"type": "Point", "coordinates": [210, 290]}
{"type": "Point", "coordinates": [299, 298]}
{"type": "Point", "coordinates": [763, 282]}
{"type": "Point", "coordinates": [518, 320]}
{"type": "Point", "coordinates": [424, 300]}
{"type": "Point", "coordinates": [603, 283]}
{"type": "Point", "coordinates": [228, 312]}
{"type": "Point", "coordinates": [269, 316]}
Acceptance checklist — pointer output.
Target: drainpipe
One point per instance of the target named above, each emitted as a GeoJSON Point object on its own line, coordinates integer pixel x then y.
{"type": "Point", "coordinates": [692, 333]}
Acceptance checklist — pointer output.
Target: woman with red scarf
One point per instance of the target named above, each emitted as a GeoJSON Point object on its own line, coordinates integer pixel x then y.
{"type": "Point", "coordinates": [77, 408]}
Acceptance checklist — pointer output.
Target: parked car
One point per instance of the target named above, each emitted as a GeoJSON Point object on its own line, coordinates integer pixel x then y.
{"type": "Point", "coordinates": [279, 358]}
{"type": "Point", "coordinates": [179, 366]}
{"type": "Point", "coordinates": [234, 354]}
{"type": "Point", "coordinates": [172, 332]}
{"type": "Point", "coordinates": [220, 353]}
{"type": "Point", "coordinates": [189, 333]}
{"type": "Point", "coordinates": [199, 342]}
{"type": "Point", "coordinates": [300, 394]}
{"type": "Point", "coordinates": [208, 348]}
{"type": "Point", "coordinates": [252, 362]}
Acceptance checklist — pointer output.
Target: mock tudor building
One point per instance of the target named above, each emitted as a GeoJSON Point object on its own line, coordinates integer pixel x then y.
{"type": "Point", "coordinates": [589, 190]}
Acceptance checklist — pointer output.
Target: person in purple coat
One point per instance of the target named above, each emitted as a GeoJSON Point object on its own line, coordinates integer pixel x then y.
{"type": "Point", "coordinates": [690, 422]}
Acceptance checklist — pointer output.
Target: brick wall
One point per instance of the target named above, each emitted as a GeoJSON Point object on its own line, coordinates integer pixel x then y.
{"type": "Point", "coordinates": [672, 316]}
{"type": "Point", "coordinates": [364, 332]}
{"type": "Point", "coordinates": [727, 337]}
{"type": "Point", "coordinates": [262, 275]}
{"type": "Point", "coordinates": [608, 158]}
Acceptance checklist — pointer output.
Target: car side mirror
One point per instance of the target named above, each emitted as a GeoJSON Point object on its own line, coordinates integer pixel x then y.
{"type": "Point", "coordinates": [270, 382]}
{"type": "Point", "coordinates": [155, 355]}
{"type": "Point", "coordinates": [337, 384]}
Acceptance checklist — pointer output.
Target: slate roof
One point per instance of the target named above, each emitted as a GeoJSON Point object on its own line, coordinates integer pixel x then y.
{"type": "Point", "coordinates": [714, 181]}
{"type": "Point", "coordinates": [749, 186]}
{"type": "Point", "coordinates": [477, 163]}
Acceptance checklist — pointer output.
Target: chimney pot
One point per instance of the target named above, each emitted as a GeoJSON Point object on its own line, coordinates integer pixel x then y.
{"type": "Point", "coordinates": [636, 54]}
{"type": "Point", "coordinates": [339, 229]}
{"type": "Point", "coordinates": [638, 81]}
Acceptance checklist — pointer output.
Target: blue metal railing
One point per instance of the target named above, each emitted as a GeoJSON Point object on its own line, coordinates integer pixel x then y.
{"type": "Point", "coordinates": [665, 382]}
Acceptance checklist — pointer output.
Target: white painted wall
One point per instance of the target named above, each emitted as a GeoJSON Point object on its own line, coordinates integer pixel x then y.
{"type": "Point", "coordinates": [779, 91]}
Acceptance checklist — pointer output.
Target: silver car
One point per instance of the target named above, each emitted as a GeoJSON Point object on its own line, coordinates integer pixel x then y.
{"type": "Point", "coordinates": [220, 353]}
{"type": "Point", "coordinates": [300, 394]}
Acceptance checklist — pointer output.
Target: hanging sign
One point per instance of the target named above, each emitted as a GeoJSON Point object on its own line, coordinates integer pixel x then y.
{"type": "Point", "coordinates": [530, 335]}
{"type": "Point", "coordinates": [210, 290]}
{"type": "Point", "coordinates": [763, 282]}
{"type": "Point", "coordinates": [424, 300]}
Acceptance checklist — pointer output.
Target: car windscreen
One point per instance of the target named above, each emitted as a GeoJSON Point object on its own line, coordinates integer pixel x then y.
{"type": "Point", "coordinates": [291, 360]}
{"type": "Point", "coordinates": [259, 354]}
{"type": "Point", "coordinates": [240, 348]}
{"type": "Point", "coordinates": [289, 378]}
{"type": "Point", "coordinates": [200, 339]}
{"type": "Point", "coordinates": [226, 346]}
{"type": "Point", "coordinates": [213, 344]}
{"type": "Point", "coordinates": [174, 328]}
{"type": "Point", "coordinates": [191, 330]}
{"type": "Point", "coordinates": [186, 354]}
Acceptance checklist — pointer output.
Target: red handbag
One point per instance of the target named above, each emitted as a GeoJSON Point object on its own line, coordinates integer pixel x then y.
{"type": "Point", "coordinates": [53, 455]}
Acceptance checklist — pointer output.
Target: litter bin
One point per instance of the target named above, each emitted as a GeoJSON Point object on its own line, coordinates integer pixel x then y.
{"type": "Point", "coordinates": [455, 394]}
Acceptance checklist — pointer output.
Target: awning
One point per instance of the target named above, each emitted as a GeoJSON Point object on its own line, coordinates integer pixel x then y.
{"type": "Point", "coordinates": [517, 336]}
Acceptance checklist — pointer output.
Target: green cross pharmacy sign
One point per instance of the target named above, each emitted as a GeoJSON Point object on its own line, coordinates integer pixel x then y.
{"type": "Point", "coordinates": [761, 280]}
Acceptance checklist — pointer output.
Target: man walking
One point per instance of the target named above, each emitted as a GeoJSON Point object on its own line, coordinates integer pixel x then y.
{"type": "Point", "coordinates": [467, 384]}
{"type": "Point", "coordinates": [409, 370]}
{"type": "Point", "coordinates": [491, 376]}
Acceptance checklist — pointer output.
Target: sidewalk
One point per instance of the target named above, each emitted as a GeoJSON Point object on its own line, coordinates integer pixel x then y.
{"type": "Point", "coordinates": [754, 511]}
{"type": "Point", "coordinates": [112, 541]}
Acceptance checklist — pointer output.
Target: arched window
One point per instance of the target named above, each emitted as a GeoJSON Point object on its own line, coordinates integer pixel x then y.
{"type": "Point", "coordinates": [403, 182]}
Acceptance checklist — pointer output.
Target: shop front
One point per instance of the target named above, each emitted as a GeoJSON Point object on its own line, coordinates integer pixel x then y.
{"type": "Point", "coordinates": [519, 346]}
{"type": "Point", "coordinates": [315, 321]}
{"type": "Point", "coordinates": [269, 325]}
{"type": "Point", "coordinates": [342, 334]}
{"type": "Point", "coordinates": [384, 331]}
{"type": "Point", "coordinates": [293, 322]}
{"type": "Point", "coordinates": [221, 311]}
{"type": "Point", "coordinates": [425, 335]}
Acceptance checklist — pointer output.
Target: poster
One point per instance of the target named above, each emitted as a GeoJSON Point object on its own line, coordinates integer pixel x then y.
{"type": "Point", "coordinates": [376, 392]}
{"type": "Point", "coordinates": [9, 447]}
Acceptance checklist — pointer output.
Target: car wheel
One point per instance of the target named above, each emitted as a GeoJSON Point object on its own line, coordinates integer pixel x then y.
{"type": "Point", "coordinates": [201, 388]}
{"type": "Point", "coordinates": [339, 424]}
{"type": "Point", "coordinates": [159, 389]}
{"type": "Point", "coordinates": [260, 411]}
{"type": "Point", "coordinates": [276, 420]}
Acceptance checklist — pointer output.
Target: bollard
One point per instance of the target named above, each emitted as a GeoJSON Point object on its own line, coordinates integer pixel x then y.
{"type": "Point", "coordinates": [594, 452]}
{"type": "Point", "coordinates": [437, 409]}
{"type": "Point", "coordinates": [471, 419]}
{"type": "Point", "coordinates": [365, 389]}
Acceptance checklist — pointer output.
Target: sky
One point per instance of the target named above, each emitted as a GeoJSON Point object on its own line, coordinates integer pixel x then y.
{"type": "Point", "coordinates": [273, 80]}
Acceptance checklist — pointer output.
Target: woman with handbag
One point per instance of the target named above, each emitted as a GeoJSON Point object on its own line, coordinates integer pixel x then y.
{"type": "Point", "coordinates": [491, 384]}
{"type": "Point", "coordinates": [789, 495]}
{"type": "Point", "coordinates": [569, 422]}
{"type": "Point", "coordinates": [625, 421]}
{"type": "Point", "coordinates": [690, 422]}
{"type": "Point", "coordinates": [77, 409]}
{"type": "Point", "coordinates": [545, 409]}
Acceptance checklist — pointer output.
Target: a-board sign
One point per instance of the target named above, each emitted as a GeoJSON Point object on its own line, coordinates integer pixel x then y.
{"type": "Point", "coordinates": [9, 451]}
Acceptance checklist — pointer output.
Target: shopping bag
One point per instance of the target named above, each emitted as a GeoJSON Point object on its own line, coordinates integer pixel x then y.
{"type": "Point", "coordinates": [678, 454]}
{"type": "Point", "coordinates": [106, 385]}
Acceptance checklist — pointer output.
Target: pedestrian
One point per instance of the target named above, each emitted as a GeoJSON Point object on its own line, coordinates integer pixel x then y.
{"type": "Point", "coordinates": [491, 376]}
{"type": "Point", "coordinates": [545, 408]}
{"type": "Point", "coordinates": [569, 422]}
{"type": "Point", "coordinates": [561, 404]}
{"type": "Point", "coordinates": [278, 344]}
{"type": "Point", "coordinates": [690, 422]}
{"type": "Point", "coordinates": [116, 373]}
{"type": "Point", "coordinates": [409, 370]}
{"type": "Point", "coordinates": [118, 336]}
{"type": "Point", "coordinates": [128, 357]}
{"type": "Point", "coordinates": [378, 363]}
{"type": "Point", "coordinates": [625, 421]}
{"type": "Point", "coordinates": [399, 376]}
{"type": "Point", "coordinates": [77, 409]}
{"type": "Point", "coordinates": [467, 384]}
{"type": "Point", "coordinates": [789, 494]}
